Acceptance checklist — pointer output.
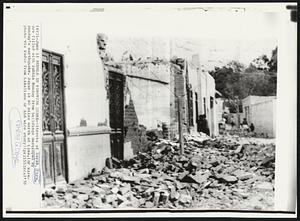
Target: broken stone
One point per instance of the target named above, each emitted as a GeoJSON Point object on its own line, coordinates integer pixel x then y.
{"type": "Point", "coordinates": [98, 190]}
{"type": "Point", "coordinates": [103, 186]}
{"type": "Point", "coordinates": [183, 159]}
{"type": "Point", "coordinates": [156, 198]}
{"type": "Point", "coordinates": [267, 160]}
{"type": "Point", "coordinates": [214, 162]}
{"type": "Point", "coordinates": [49, 193]}
{"type": "Point", "coordinates": [206, 184]}
{"type": "Point", "coordinates": [184, 198]}
{"type": "Point", "coordinates": [145, 170]}
{"type": "Point", "coordinates": [182, 175]}
{"type": "Point", "coordinates": [83, 197]}
{"type": "Point", "coordinates": [174, 195]}
{"type": "Point", "coordinates": [84, 190]}
{"type": "Point", "coordinates": [97, 203]}
{"type": "Point", "coordinates": [149, 204]}
{"type": "Point", "coordinates": [143, 176]}
{"type": "Point", "coordinates": [124, 204]}
{"type": "Point", "coordinates": [142, 201]}
{"type": "Point", "coordinates": [131, 179]}
{"type": "Point", "coordinates": [114, 190]}
{"type": "Point", "coordinates": [116, 162]}
{"type": "Point", "coordinates": [121, 198]}
{"type": "Point", "coordinates": [239, 149]}
{"type": "Point", "coordinates": [134, 202]}
{"type": "Point", "coordinates": [164, 196]}
{"type": "Point", "coordinates": [242, 175]}
{"type": "Point", "coordinates": [125, 189]}
{"type": "Point", "coordinates": [245, 176]}
{"type": "Point", "coordinates": [102, 179]}
{"type": "Point", "coordinates": [155, 175]}
{"type": "Point", "coordinates": [61, 189]}
{"type": "Point", "coordinates": [116, 174]}
{"type": "Point", "coordinates": [162, 177]}
{"type": "Point", "coordinates": [264, 186]}
{"type": "Point", "coordinates": [110, 198]}
{"type": "Point", "coordinates": [200, 177]}
{"type": "Point", "coordinates": [68, 196]}
{"type": "Point", "coordinates": [229, 179]}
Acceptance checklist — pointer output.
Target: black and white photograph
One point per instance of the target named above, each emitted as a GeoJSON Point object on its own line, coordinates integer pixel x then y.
{"type": "Point", "coordinates": [153, 107]}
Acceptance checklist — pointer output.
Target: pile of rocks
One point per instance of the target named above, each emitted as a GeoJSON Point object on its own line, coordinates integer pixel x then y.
{"type": "Point", "coordinates": [211, 173]}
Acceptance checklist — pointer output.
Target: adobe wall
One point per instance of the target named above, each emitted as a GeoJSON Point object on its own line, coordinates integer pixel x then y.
{"type": "Point", "coordinates": [147, 100]}
{"type": "Point", "coordinates": [207, 91]}
{"type": "Point", "coordinates": [178, 86]}
{"type": "Point", "coordinates": [263, 116]}
{"type": "Point", "coordinates": [85, 97]}
{"type": "Point", "coordinates": [262, 113]}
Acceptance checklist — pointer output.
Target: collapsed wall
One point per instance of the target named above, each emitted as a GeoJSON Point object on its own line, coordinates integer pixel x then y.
{"type": "Point", "coordinates": [147, 102]}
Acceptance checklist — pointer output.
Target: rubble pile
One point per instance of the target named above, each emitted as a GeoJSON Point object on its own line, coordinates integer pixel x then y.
{"type": "Point", "coordinates": [209, 174]}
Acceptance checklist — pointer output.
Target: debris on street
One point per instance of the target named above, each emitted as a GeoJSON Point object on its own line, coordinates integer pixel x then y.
{"type": "Point", "coordinates": [219, 173]}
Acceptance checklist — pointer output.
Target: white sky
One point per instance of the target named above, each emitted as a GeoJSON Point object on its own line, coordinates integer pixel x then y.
{"type": "Point", "coordinates": [219, 34]}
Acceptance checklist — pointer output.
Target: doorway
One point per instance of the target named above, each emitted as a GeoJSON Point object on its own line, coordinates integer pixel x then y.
{"type": "Point", "coordinates": [197, 111]}
{"type": "Point", "coordinates": [116, 114]}
{"type": "Point", "coordinates": [54, 143]}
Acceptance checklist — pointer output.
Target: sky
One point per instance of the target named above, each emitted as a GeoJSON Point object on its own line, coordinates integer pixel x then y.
{"type": "Point", "coordinates": [218, 36]}
{"type": "Point", "coordinates": [218, 32]}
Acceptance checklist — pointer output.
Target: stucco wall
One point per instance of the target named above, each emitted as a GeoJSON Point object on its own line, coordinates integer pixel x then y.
{"type": "Point", "coordinates": [263, 116]}
{"type": "Point", "coordinates": [262, 113]}
{"type": "Point", "coordinates": [219, 109]}
{"type": "Point", "coordinates": [178, 85]}
{"type": "Point", "coordinates": [87, 152]}
{"type": "Point", "coordinates": [151, 101]}
{"type": "Point", "coordinates": [150, 92]}
{"type": "Point", "coordinates": [193, 81]}
{"type": "Point", "coordinates": [207, 89]}
{"type": "Point", "coordinates": [85, 95]}
{"type": "Point", "coordinates": [148, 82]}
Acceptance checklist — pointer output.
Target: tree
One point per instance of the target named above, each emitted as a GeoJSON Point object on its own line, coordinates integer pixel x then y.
{"type": "Point", "coordinates": [236, 82]}
{"type": "Point", "coordinates": [273, 62]}
{"type": "Point", "coordinates": [263, 63]}
{"type": "Point", "coordinates": [227, 79]}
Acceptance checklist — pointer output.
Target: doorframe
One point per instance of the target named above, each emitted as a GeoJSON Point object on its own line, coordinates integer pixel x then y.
{"type": "Point", "coordinates": [115, 71]}
{"type": "Point", "coordinates": [66, 165]}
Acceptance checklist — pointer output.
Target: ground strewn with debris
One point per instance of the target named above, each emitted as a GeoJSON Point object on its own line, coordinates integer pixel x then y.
{"type": "Point", "coordinates": [221, 173]}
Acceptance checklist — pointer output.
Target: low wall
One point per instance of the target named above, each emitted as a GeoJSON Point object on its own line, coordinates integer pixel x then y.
{"type": "Point", "coordinates": [262, 115]}
{"type": "Point", "coordinates": [87, 148]}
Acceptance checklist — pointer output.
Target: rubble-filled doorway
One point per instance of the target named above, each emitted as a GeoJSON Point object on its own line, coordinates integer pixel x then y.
{"type": "Point", "coordinates": [197, 111]}
{"type": "Point", "coordinates": [54, 145]}
{"type": "Point", "coordinates": [212, 117]}
{"type": "Point", "coordinates": [116, 114]}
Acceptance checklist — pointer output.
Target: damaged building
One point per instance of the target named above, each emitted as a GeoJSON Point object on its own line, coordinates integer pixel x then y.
{"type": "Point", "coordinates": [154, 86]}
{"type": "Point", "coordinates": [96, 107]}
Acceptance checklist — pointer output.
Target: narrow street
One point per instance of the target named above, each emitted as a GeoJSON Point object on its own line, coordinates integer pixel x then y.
{"type": "Point", "coordinates": [227, 172]}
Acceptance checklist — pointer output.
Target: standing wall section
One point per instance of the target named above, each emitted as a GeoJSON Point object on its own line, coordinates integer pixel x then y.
{"type": "Point", "coordinates": [148, 100]}
{"type": "Point", "coordinates": [88, 145]}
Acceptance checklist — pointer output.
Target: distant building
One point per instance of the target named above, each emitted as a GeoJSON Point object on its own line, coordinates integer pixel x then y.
{"type": "Point", "coordinates": [261, 111]}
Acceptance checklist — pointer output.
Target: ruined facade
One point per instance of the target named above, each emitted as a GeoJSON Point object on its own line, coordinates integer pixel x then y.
{"type": "Point", "coordinates": [77, 73]}
{"type": "Point", "coordinates": [201, 96]}
{"type": "Point", "coordinates": [155, 85]}
{"type": "Point", "coordinates": [105, 106]}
